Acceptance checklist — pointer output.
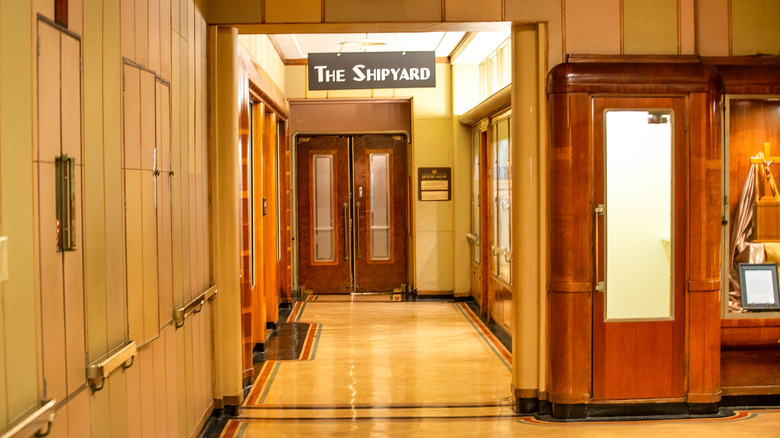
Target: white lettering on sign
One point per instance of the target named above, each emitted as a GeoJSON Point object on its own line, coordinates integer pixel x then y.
{"type": "Point", "coordinates": [325, 75]}
{"type": "Point", "coordinates": [381, 74]}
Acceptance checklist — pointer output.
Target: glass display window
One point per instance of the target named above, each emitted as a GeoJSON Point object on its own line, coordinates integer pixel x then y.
{"type": "Point", "coordinates": [751, 203]}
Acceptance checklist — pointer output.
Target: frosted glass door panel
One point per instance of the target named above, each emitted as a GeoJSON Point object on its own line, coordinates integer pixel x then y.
{"type": "Point", "coordinates": [475, 188]}
{"type": "Point", "coordinates": [324, 239]}
{"type": "Point", "coordinates": [638, 220]}
{"type": "Point", "coordinates": [502, 213]}
{"type": "Point", "coordinates": [380, 206]}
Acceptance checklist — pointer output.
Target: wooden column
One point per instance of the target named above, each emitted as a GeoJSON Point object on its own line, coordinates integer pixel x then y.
{"type": "Point", "coordinates": [226, 185]}
{"type": "Point", "coordinates": [704, 285]}
{"type": "Point", "coordinates": [528, 261]}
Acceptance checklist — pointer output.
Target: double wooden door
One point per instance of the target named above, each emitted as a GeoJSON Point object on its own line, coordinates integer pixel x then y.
{"type": "Point", "coordinates": [352, 213]}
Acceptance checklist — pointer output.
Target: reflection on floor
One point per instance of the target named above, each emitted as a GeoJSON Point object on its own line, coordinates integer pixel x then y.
{"type": "Point", "coordinates": [417, 369]}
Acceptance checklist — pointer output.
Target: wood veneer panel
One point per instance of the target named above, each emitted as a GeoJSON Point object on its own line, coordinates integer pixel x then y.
{"type": "Point", "coordinates": [48, 108]}
{"type": "Point", "coordinates": [141, 27]}
{"type": "Point", "coordinates": [159, 388]}
{"type": "Point", "coordinates": [134, 397]}
{"type": "Point", "coordinates": [153, 24]}
{"type": "Point", "coordinates": [73, 271]}
{"type": "Point", "coordinates": [134, 254]}
{"type": "Point", "coordinates": [750, 372]}
{"type": "Point", "coordinates": [127, 28]}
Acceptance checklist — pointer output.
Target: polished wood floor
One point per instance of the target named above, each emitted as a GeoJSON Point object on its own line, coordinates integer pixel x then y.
{"type": "Point", "coordinates": [370, 367]}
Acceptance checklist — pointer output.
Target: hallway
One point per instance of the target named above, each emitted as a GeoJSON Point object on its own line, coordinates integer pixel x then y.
{"type": "Point", "coordinates": [373, 368]}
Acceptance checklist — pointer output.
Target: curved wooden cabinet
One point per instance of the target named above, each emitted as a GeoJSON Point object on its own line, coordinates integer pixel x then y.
{"type": "Point", "coordinates": [582, 342]}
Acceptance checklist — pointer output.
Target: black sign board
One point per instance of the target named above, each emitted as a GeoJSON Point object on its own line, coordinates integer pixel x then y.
{"type": "Point", "coordinates": [355, 71]}
{"type": "Point", "coordinates": [434, 183]}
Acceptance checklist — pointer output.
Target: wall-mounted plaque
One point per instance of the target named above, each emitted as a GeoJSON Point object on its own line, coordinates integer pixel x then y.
{"type": "Point", "coordinates": [759, 286]}
{"type": "Point", "coordinates": [434, 183]}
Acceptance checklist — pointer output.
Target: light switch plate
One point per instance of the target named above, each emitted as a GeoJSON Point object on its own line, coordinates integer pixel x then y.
{"type": "Point", "coordinates": [3, 259]}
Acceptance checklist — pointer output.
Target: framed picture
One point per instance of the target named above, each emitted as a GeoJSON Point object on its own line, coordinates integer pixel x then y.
{"type": "Point", "coordinates": [759, 286]}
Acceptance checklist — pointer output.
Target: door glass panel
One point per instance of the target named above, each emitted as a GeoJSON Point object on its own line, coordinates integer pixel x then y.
{"type": "Point", "coordinates": [380, 206]}
{"type": "Point", "coordinates": [638, 219]}
{"type": "Point", "coordinates": [323, 208]}
{"type": "Point", "coordinates": [475, 195]}
{"type": "Point", "coordinates": [502, 245]}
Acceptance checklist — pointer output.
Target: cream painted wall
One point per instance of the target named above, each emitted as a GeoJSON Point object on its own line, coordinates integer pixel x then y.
{"type": "Point", "coordinates": [263, 51]}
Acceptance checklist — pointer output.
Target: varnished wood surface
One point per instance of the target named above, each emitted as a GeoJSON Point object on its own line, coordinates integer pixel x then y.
{"type": "Point", "coordinates": [571, 205]}
{"type": "Point", "coordinates": [632, 77]}
{"type": "Point", "coordinates": [380, 275]}
{"type": "Point", "coordinates": [641, 359]}
{"type": "Point", "coordinates": [323, 277]}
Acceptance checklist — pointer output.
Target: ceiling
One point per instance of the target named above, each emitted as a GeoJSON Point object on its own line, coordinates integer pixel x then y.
{"type": "Point", "coordinates": [479, 44]}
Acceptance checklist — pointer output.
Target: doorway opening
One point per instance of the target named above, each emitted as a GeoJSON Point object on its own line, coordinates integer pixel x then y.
{"type": "Point", "coordinates": [353, 213]}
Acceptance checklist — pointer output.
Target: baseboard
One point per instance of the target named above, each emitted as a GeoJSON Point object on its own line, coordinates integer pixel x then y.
{"type": "Point", "coordinates": [206, 416]}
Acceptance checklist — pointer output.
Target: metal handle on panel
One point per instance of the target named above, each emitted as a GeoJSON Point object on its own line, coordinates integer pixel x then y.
{"type": "Point", "coordinates": [346, 232]}
{"type": "Point", "coordinates": [598, 211]}
{"type": "Point", "coordinates": [472, 238]}
{"type": "Point", "coordinates": [357, 230]}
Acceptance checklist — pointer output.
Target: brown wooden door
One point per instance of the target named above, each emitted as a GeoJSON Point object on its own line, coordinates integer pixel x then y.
{"type": "Point", "coordinates": [640, 160]}
{"type": "Point", "coordinates": [352, 213]}
{"type": "Point", "coordinates": [324, 214]}
{"type": "Point", "coordinates": [381, 213]}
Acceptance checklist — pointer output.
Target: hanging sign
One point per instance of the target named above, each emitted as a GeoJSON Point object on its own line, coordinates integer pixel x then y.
{"type": "Point", "coordinates": [355, 71]}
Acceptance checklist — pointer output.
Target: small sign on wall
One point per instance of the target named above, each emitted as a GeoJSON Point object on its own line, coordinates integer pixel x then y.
{"type": "Point", "coordinates": [434, 183]}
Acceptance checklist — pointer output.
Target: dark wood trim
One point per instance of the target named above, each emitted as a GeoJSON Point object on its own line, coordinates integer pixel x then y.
{"type": "Point", "coordinates": [61, 12]}
{"type": "Point", "coordinates": [633, 77]}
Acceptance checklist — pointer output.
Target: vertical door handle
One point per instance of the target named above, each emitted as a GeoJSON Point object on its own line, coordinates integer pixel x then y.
{"type": "Point", "coordinates": [346, 232]}
{"type": "Point", "coordinates": [357, 230]}
{"type": "Point", "coordinates": [597, 212]}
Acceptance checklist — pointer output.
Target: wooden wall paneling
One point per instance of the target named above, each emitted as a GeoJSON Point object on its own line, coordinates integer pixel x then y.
{"type": "Point", "coordinates": [142, 32]}
{"type": "Point", "coordinates": [70, 77]}
{"type": "Point", "coordinates": [182, 395]}
{"type": "Point", "coordinates": [52, 291]}
{"type": "Point", "coordinates": [79, 418]}
{"type": "Point", "coordinates": [134, 255]}
{"type": "Point", "coordinates": [704, 249]}
{"type": "Point", "coordinates": [75, 330]}
{"type": "Point", "coordinates": [132, 117]}
{"type": "Point", "coordinates": [204, 174]}
{"type": "Point", "coordinates": [94, 192]}
{"type": "Point", "coordinates": [571, 231]}
{"type": "Point", "coordinates": [134, 411]}
{"type": "Point", "coordinates": [200, 148]}
{"type": "Point", "coordinates": [175, 17]}
{"type": "Point", "coordinates": [49, 141]}
{"type": "Point", "coordinates": [592, 26]}
{"type": "Point", "coordinates": [59, 427]}
{"type": "Point", "coordinates": [712, 24]}
{"type": "Point", "coordinates": [115, 411]}
{"type": "Point", "coordinates": [3, 358]}
{"type": "Point", "coordinates": [466, 10]}
{"type": "Point", "coordinates": [165, 39]}
{"type": "Point", "coordinates": [189, 379]}
{"type": "Point", "coordinates": [259, 313]}
{"type": "Point", "coordinates": [164, 219]}
{"type": "Point", "coordinates": [155, 48]}
{"type": "Point", "coordinates": [114, 197]}
{"type": "Point", "coordinates": [650, 28]}
{"type": "Point", "coordinates": [198, 358]}
{"type": "Point", "coordinates": [158, 386]}
{"type": "Point", "coordinates": [151, 298]}
{"type": "Point", "coordinates": [100, 411]}
{"type": "Point", "coordinates": [248, 290]}
{"type": "Point", "coordinates": [269, 220]}
{"type": "Point", "coordinates": [187, 288]}
{"type": "Point", "coordinates": [178, 175]}
{"type": "Point", "coordinates": [184, 24]}
{"type": "Point", "coordinates": [127, 25]}
{"type": "Point", "coordinates": [170, 381]}
{"type": "Point", "coordinates": [146, 365]}
{"type": "Point", "coordinates": [147, 119]}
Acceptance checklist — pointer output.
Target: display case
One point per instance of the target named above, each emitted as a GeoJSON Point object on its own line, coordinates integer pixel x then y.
{"type": "Point", "coordinates": [750, 328]}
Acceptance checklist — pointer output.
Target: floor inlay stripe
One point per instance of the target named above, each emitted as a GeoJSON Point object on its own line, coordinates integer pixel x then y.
{"type": "Point", "coordinates": [487, 335]}
{"type": "Point", "coordinates": [737, 416]}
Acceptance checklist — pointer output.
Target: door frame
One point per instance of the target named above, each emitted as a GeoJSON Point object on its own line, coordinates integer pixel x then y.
{"type": "Point", "coordinates": [294, 214]}
{"type": "Point", "coordinates": [679, 105]}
